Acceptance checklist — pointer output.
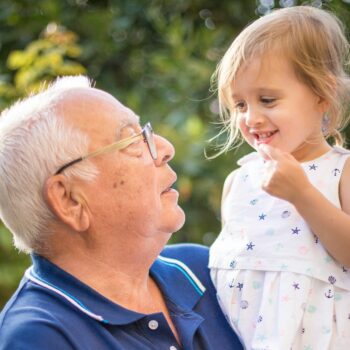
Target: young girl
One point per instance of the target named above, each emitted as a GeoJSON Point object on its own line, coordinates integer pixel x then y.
{"type": "Point", "coordinates": [280, 264]}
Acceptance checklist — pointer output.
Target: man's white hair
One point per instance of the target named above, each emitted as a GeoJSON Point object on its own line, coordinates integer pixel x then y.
{"type": "Point", "coordinates": [34, 142]}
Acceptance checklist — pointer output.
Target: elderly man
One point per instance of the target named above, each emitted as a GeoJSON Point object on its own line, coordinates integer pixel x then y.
{"type": "Point", "coordinates": [88, 193]}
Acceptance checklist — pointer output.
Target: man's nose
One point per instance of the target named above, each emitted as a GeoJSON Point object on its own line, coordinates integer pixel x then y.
{"type": "Point", "coordinates": [165, 150]}
{"type": "Point", "coordinates": [253, 117]}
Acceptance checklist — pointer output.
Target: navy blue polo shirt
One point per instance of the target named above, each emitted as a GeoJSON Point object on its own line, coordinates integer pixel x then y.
{"type": "Point", "coordinates": [53, 310]}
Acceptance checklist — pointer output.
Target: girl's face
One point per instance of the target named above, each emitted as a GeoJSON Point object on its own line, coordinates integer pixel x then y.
{"type": "Point", "coordinates": [274, 107]}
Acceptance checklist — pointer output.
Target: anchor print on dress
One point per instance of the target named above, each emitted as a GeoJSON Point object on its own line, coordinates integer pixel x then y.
{"type": "Point", "coordinates": [329, 294]}
{"type": "Point", "coordinates": [331, 280]}
{"type": "Point", "coordinates": [336, 172]}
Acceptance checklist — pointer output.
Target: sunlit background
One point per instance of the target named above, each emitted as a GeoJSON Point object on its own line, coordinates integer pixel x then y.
{"type": "Point", "coordinates": [156, 57]}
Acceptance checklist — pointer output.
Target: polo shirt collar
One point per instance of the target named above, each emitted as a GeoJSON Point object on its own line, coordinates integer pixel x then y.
{"type": "Point", "coordinates": [180, 287]}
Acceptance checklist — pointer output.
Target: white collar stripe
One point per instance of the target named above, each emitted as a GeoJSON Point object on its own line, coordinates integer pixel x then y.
{"type": "Point", "coordinates": [196, 283]}
{"type": "Point", "coordinates": [30, 275]}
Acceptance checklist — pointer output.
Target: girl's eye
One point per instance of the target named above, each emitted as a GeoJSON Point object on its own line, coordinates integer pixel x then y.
{"type": "Point", "coordinates": [240, 105]}
{"type": "Point", "coordinates": [267, 100]}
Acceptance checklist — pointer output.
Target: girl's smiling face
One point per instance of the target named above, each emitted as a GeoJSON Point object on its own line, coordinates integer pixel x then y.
{"type": "Point", "coordinates": [273, 106]}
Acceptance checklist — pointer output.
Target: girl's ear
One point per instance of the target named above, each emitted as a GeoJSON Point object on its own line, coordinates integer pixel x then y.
{"type": "Point", "coordinates": [325, 104]}
{"type": "Point", "coordinates": [64, 200]}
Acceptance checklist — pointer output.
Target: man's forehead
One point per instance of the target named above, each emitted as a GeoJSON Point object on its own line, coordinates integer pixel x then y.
{"type": "Point", "coordinates": [128, 117]}
{"type": "Point", "coordinates": [85, 100]}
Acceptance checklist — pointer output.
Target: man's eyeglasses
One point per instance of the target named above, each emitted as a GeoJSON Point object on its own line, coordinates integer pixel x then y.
{"type": "Point", "coordinates": [146, 134]}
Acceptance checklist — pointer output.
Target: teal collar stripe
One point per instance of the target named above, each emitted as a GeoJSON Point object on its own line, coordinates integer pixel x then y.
{"type": "Point", "coordinates": [186, 271]}
{"type": "Point", "coordinates": [41, 282]}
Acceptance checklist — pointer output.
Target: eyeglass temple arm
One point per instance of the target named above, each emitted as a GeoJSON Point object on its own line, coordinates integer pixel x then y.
{"type": "Point", "coordinates": [114, 146]}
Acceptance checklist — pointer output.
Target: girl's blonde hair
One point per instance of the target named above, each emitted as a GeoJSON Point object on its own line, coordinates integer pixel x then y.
{"type": "Point", "coordinates": [313, 40]}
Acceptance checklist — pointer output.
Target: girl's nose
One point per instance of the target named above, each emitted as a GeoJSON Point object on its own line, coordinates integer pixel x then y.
{"type": "Point", "coordinates": [253, 117]}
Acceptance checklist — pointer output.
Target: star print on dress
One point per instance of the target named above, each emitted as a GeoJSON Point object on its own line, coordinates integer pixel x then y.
{"type": "Point", "coordinates": [250, 246]}
{"type": "Point", "coordinates": [316, 238]}
{"type": "Point", "coordinates": [313, 167]}
{"type": "Point", "coordinates": [345, 269]}
{"type": "Point", "coordinates": [336, 172]}
{"type": "Point", "coordinates": [296, 286]}
{"type": "Point", "coordinates": [239, 286]}
{"type": "Point", "coordinates": [253, 201]}
{"type": "Point", "coordinates": [295, 231]}
{"type": "Point", "coordinates": [262, 216]}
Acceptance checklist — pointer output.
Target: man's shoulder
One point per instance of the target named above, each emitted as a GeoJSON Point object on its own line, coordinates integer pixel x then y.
{"type": "Point", "coordinates": [25, 323]}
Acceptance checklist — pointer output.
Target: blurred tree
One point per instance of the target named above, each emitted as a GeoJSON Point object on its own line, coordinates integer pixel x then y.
{"type": "Point", "coordinates": [156, 57]}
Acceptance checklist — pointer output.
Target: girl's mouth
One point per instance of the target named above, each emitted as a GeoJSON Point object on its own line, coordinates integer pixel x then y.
{"type": "Point", "coordinates": [264, 137]}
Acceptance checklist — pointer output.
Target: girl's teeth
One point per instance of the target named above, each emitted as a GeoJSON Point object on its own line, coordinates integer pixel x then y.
{"type": "Point", "coordinates": [265, 135]}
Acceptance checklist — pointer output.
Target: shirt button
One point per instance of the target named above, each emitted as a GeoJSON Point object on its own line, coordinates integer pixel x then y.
{"type": "Point", "coordinates": [153, 324]}
{"type": "Point", "coordinates": [173, 347]}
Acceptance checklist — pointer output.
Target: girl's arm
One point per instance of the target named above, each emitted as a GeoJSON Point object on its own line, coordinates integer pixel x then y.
{"type": "Point", "coordinates": [287, 180]}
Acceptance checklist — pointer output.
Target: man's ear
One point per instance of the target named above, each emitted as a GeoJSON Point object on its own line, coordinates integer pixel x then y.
{"type": "Point", "coordinates": [64, 201]}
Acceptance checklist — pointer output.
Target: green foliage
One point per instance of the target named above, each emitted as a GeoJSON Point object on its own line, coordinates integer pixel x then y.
{"type": "Point", "coordinates": [42, 60]}
{"type": "Point", "coordinates": [12, 265]}
{"type": "Point", "coordinates": [156, 57]}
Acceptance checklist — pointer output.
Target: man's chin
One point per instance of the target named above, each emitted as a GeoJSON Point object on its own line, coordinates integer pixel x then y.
{"type": "Point", "coordinates": [178, 222]}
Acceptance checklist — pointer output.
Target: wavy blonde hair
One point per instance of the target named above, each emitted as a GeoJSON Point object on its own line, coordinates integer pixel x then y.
{"type": "Point", "coordinates": [313, 40]}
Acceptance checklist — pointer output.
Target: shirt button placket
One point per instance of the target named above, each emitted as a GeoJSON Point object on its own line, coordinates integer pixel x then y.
{"type": "Point", "coordinates": [153, 324]}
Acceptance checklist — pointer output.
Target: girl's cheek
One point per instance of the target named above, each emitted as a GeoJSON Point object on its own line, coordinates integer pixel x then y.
{"type": "Point", "coordinates": [242, 126]}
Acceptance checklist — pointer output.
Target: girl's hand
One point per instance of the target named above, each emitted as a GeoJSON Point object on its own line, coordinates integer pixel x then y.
{"type": "Point", "coordinates": [284, 177]}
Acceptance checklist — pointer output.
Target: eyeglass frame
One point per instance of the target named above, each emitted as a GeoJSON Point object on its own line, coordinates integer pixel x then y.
{"type": "Point", "coordinates": [146, 133]}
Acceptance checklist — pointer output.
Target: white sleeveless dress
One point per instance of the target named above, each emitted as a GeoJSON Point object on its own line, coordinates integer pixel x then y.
{"type": "Point", "coordinates": [277, 285]}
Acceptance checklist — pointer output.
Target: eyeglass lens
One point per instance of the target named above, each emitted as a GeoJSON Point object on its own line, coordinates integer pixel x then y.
{"type": "Point", "coordinates": [148, 132]}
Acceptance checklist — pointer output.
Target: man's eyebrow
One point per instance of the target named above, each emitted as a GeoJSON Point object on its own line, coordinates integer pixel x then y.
{"type": "Point", "coordinates": [125, 123]}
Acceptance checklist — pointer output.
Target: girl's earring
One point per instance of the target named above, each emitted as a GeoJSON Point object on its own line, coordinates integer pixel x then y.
{"type": "Point", "coordinates": [325, 124]}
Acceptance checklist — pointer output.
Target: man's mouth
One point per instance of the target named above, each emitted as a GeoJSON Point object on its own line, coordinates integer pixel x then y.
{"type": "Point", "coordinates": [170, 184]}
